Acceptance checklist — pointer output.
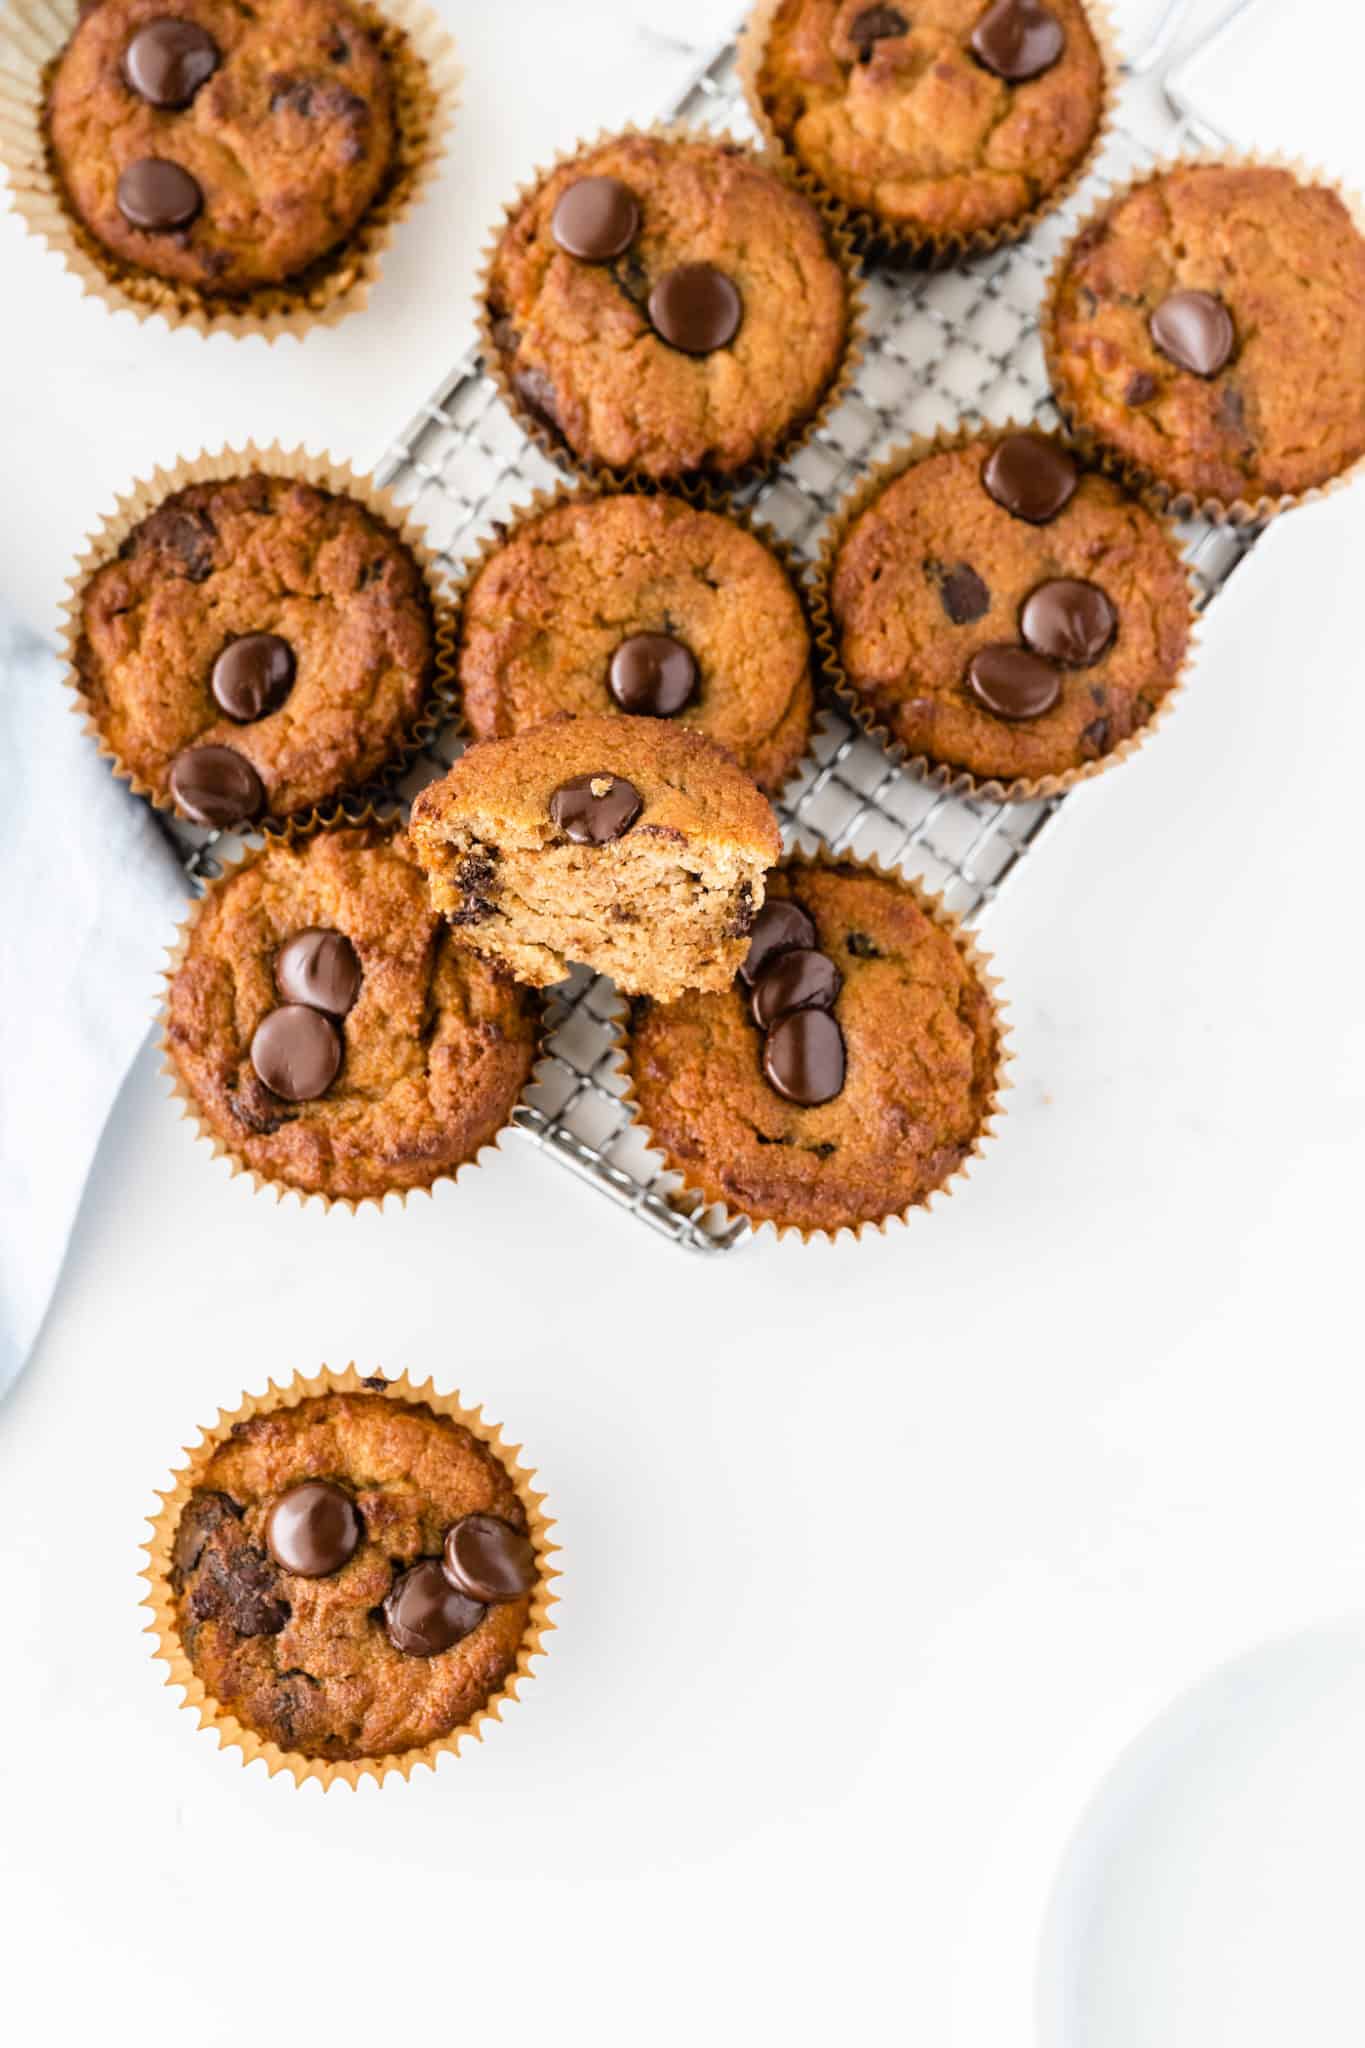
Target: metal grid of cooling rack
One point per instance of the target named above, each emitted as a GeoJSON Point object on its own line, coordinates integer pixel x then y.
{"type": "Point", "coordinates": [941, 348]}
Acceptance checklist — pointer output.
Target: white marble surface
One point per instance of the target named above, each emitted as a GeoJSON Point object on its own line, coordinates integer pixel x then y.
{"type": "Point", "coordinates": [878, 1555]}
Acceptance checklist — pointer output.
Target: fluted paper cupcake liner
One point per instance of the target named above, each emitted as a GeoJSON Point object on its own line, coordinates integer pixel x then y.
{"type": "Point", "coordinates": [952, 780]}
{"type": "Point", "coordinates": [883, 241]}
{"type": "Point", "coordinates": [161, 1600]}
{"type": "Point", "coordinates": [341, 480]}
{"type": "Point", "coordinates": [426, 77]}
{"type": "Point", "coordinates": [689, 483]}
{"type": "Point", "coordinates": [1179, 503]}
{"type": "Point", "coordinates": [696, 1192]}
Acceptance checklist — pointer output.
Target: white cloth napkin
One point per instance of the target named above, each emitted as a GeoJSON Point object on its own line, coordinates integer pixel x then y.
{"type": "Point", "coordinates": [92, 892]}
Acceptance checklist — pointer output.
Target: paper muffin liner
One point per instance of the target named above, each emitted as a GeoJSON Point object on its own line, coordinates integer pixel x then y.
{"type": "Point", "coordinates": [161, 1601]}
{"type": "Point", "coordinates": [425, 74]}
{"type": "Point", "coordinates": [385, 814]}
{"type": "Point", "coordinates": [955, 781]}
{"type": "Point", "coordinates": [882, 241]}
{"type": "Point", "coordinates": [698, 1195]}
{"type": "Point", "coordinates": [1183, 504]}
{"type": "Point", "coordinates": [704, 497]}
{"type": "Point", "coordinates": [143, 496]}
{"type": "Point", "coordinates": [688, 483]}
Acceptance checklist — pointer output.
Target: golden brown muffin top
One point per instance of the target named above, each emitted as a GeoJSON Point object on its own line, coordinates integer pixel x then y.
{"type": "Point", "coordinates": [896, 113]}
{"type": "Point", "coordinates": [936, 569]}
{"type": "Point", "coordinates": [582, 341]}
{"type": "Point", "coordinates": [281, 146]}
{"type": "Point", "coordinates": [1285, 262]}
{"type": "Point", "coordinates": [569, 613]}
{"type": "Point", "coordinates": [435, 1045]}
{"type": "Point", "coordinates": [306, 1660]}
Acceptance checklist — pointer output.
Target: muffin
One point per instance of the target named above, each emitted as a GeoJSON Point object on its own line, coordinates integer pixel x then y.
{"type": "Point", "coordinates": [325, 1030]}
{"type": "Point", "coordinates": [630, 845]}
{"type": "Point", "coordinates": [849, 1072]}
{"type": "Point", "coordinates": [667, 304]}
{"type": "Point", "coordinates": [345, 1576]}
{"type": "Point", "coordinates": [644, 605]}
{"type": "Point", "coordinates": [255, 645]}
{"type": "Point", "coordinates": [1207, 325]}
{"type": "Point", "coordinates": [941, 123]}
{"type": "Point", "coordinates": [1005, 613]}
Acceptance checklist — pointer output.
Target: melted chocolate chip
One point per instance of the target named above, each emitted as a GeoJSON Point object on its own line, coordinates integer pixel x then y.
{"type": "Point", "coordinates": [1012, 683]}
{"type": "Point", "coordinates": [252, 676]}
{"type": "Point", "coordinates": [216, 786]}
{"type": "Point", "coordinates": [168, 60]}
{"type": "Point", "coordinates": [236, 1583]}
{"type": "Point", "coordinates": [319, 967]}
{"type": "Point", "coordinates": [595, 809]}
{"type": "Point", "coordinates": [800, 979]}
{"type": "Point", "coordinates": [1032, 478]}
{"type": "Point", "coordinates": [158, 196]}
{"type": "Point", "coordinates": [201, 1515]}
{"type": "Point", "coordinates": [965, 597]}
{"type": "Point", "coordinates": [696, 308]}
{"type": "Point", "coordinates": [1195, 330]}
{"type": "Point", "coordinates": [424, 1614]}
{"type": "Point", "coordinates": [489, 1560]}
{"type": "Point", "coordinates": [296, 1052]}
{"type": "Point", "coordinates": [1141, 388]}
{"type": "Point", "coordinates": [652, 675]}
{"type": "Point", "coordinates": [1069, 621]}
{"type": "Point", "coordinates": [804, 1058]}
{"type": "Point", "coordinates": [780, 925]}
{"type": "Point", "coordinates": [1017, 40]}
{"type": "Point", "coordinates": [875, 25]}
{"type": "Point", "coordinates": [313, 1529]}
{"type": "Point", "coordinates": [596, 219]}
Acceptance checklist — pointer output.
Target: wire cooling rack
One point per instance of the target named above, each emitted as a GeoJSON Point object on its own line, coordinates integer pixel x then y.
{"type": "Point", "coordinates": [960, 345]}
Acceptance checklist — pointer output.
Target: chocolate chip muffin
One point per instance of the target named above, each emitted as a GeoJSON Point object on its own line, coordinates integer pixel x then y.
{"type": "Point", "coordinates": [667, 305]}
{"type": "Point", "coordinates": [1003, 612]}
{"type": "Point", "coordinates": [644, 605]}
{"type": "Point", "coordinates": [634, 847]}
{"type": "Point", "coordinates": [256, 645]}
{"type": "Point", "coordinates": [939, 122]}
{"type": "Point", "coordinates": [848, 1073]}
{"type": "Point", "coordinates": [328, 1033]}
{"type": "Point", "coordinates": [226, 146]}
{"type": "Point", "coordinates": [1208, 326]}
{"type": "Point", "coordinates": [352, 1576]}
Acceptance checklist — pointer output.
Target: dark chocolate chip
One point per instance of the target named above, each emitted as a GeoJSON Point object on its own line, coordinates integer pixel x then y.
{"type": "Point", "coordinates": [696, 308]}
{"type": "Point", "coordinates": [236, 1583]}
{"type": "Point", "coordinates": [157, 195]}
{"type": "Point", "coordinates": [319, 967]}
{"type": "Point", "coordinates": [800, 979]}
{"type": "Point", "coordinates": [804, 1059]}
{"type": "Point", "coordinates": [596, 219]}
{"type": "Point", "coordinates": [488, 1559]}
{"type": "Point", "coordinates": [862, 947]}
{"type": "Point", "coordinates": [965, 597]}
{"type": "Point", "coordinates": [296, 1052]}
{"type": "Point", "coordinates": [252, 676]}
{"type": "Point", "coordinates": [1069, 621]}
{"type": "Point", "coordinates": [780, 925]}
{"type": "Point", "coordinates": [202, 1514]}
{"type": "Point", "coordinates": [535, 388]}
{"type": "Point", "coordinates": [424, 1614]}
{"type": "Point", "coordinates": [1017, 40]}
{"type": "Point", "coordinates": [313, 1529]}
{"type": "Point", "coordinates": [1095, 736]}
{"type": "Point", "coordinates": [216, 786]}
{"type": "Point", "coordinates": [652, 675]}
{"type": "Point", "coordinates": [168, 60]}
{"type": "Point", "coordinates": [1141, 388]}
{"type": "Point", "coordinates": [1032, 478]}
{"type": "Point", "coordinates": [1195, 330]}
{"type": "Point", "coordinates": [875, 25]}
{"type": "Point", "coordinates": [743, 914]}
{"type": "Point", "coordinates": [1012, 683]}
{"type": "Point", "coordinates": [595, 809]}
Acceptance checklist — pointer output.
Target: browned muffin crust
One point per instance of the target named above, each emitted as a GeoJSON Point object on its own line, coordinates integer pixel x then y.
{"type": "Point", "coordinates": [905, 636]}
{"type": "Point", "coordinates": [259, 554]}
{"type": "Point", "coordinates": [922, 1057]}
{"type": "Point", "coordinates": [1287, 412]}
{"type": "Point", "coordinates": [552, 605]}
{"type": "Point", "coordinates": [436, 1048]}
{"type": "Point", "coordinates": [306, 1662]}
{"type": "Point", "coordinates": [289, 140]}
{"type": "Point", "coordinates": [577, 344]}
{"type": "Point", "coordinates": [912, 130]}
